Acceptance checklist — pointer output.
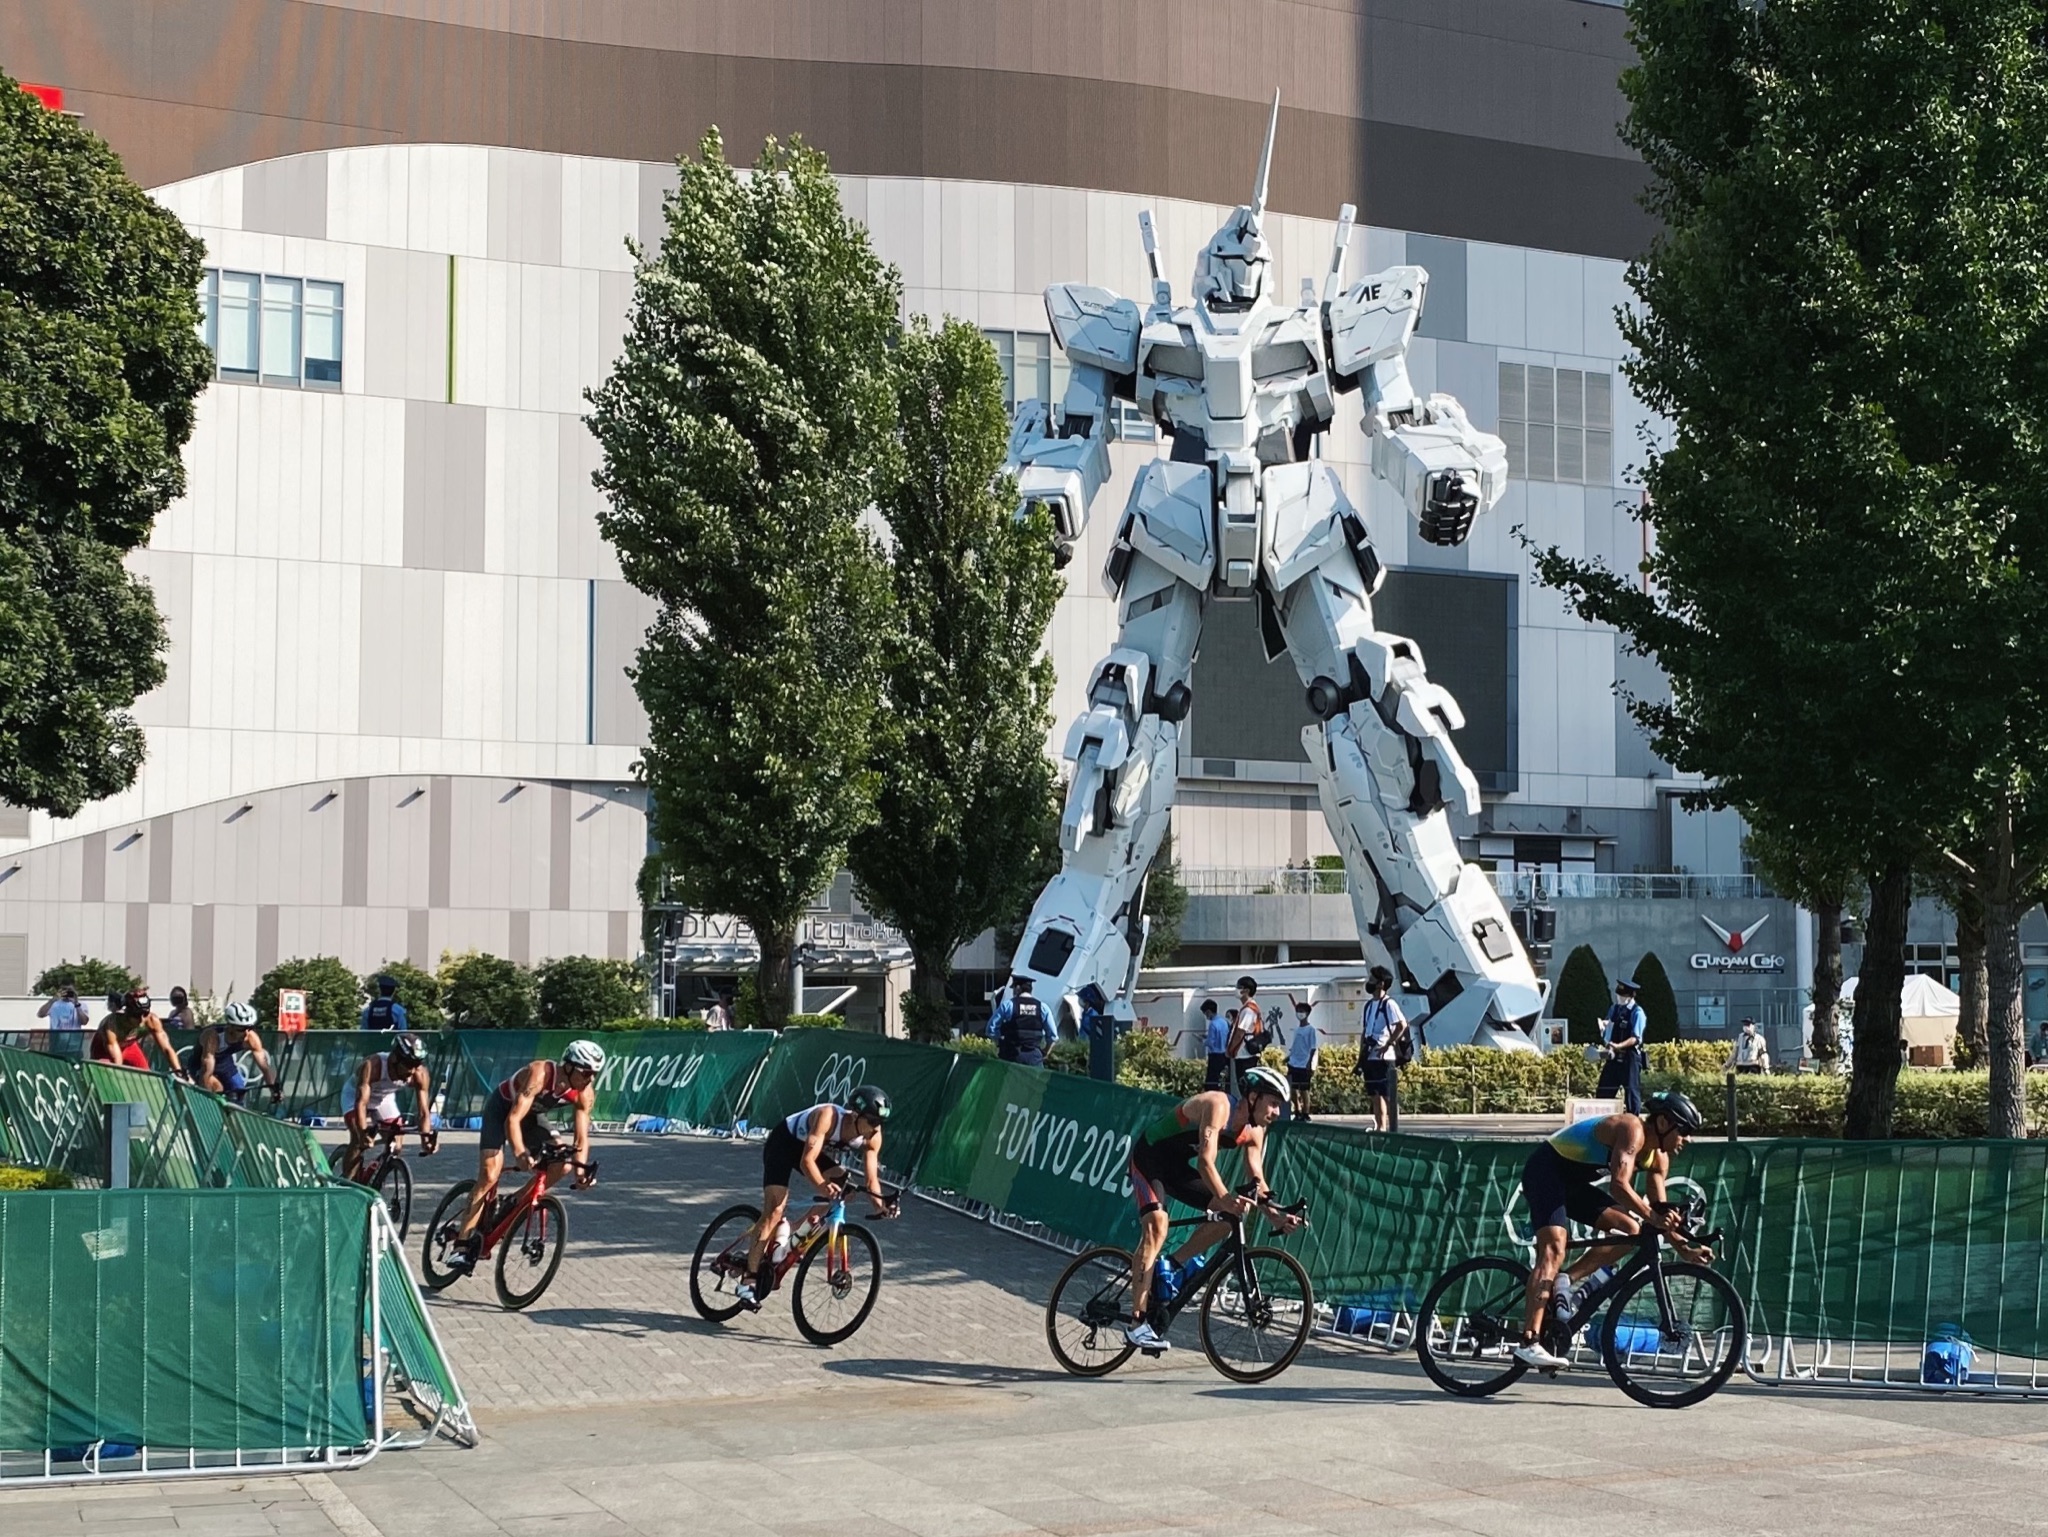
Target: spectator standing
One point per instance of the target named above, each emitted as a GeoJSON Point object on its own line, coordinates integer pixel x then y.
{"type": "Point", "coordinates": [181, 1016]}
{"type": "Point", "coordinates": [2037, 1050]}
{"type": "Point", "coordinates": [1623, 1068]}
{"type": "Point", "coordinates": [1751, 1055]}
{"type": "Point", "coordinates": [1023, 1031]}
{"type": "Point", "coordinates": [1381, 1031]}
{"type": "Point", "coordinates": [719, 1015]}
{"type": "Point", "coordinates": [1251, 1036]}
{"type": "Point", "coordinates": [1216, 1045]}
{"type": "Point", "coordinates": [1304, 1056]}
{"type": "Point", "coordinates": [384, 1012]}
{"type": "Point", "coordinates": [64, 1012]}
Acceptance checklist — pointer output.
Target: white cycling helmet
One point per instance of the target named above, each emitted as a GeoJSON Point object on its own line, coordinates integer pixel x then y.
{"type": "Point", "coordinates": [584, 1054]}
{"type": "Point", "coordinates": [1263, 1080]}
{"type": "Point", "coordinates": [241, 1015]}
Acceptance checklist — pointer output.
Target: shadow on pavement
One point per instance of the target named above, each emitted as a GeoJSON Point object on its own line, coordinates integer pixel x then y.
{"type": "Point", "coordinates": [935, 1372]}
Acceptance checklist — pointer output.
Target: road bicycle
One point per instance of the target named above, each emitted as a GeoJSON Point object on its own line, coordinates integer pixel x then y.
{"type": "Point", "coordinates": [838, 1267]}
{"type": "Point", "coordinates": [1256, 1306]}
{"type": "Point", "coordinates": [1671, 1332]}
{"type": "Point", "coordinates": [385, 1171]}
{"type": "Point", "coordinates": [528, 1229]}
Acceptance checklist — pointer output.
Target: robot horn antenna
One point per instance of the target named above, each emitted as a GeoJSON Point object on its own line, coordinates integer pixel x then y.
{"type": "Point", "coordinates": [1266, 160]}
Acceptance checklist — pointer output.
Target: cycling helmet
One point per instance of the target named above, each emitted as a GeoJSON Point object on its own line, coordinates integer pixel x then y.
{"type": "Point", "coordinates": [239, 1016]}
{"type": "Point", "coordinates": [136, 1004]}
{"type": "Point", "coordinates": [1263, 1080]}
{"type": "Point", "coordinates": [1675, 1108]}
{"type": "Point", "coordinates": [406, 1047]}
{"type": "Point", "coordinates": [869, 1101]}
{"type": "Point", "coordinates": [584, 1054]}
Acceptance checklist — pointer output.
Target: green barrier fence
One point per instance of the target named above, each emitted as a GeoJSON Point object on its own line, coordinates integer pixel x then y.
{"type": "Point", "coordinates": [52, 1121]}
{"type": "Point", "coordinates": [272, 1153]}
{"type": "Point", "coordinates": [222, 1320]}
{"type": "Point", "coordinates": [808, 1067]}
{"type": "Point", "coordinates": [1042, 1147]}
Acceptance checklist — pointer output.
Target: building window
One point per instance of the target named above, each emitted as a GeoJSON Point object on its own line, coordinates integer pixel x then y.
{"type": "Point", "coordinates": [1032, 368]}
{"type": "Point", "coordinates": [1558, 423]}
{"type": "Point", "coordinates": [273, 330]}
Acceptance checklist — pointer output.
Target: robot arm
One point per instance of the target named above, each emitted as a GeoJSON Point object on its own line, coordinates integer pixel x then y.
{"type": "Point", "coordinates": [1446, 470]}
{"type": "Point", "coordinates": [1061, 459]}
{"type": "Point", "coordinates": [1061, 463]}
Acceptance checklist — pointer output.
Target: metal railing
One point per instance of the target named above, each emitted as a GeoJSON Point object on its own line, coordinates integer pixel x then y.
{"type": "Point", "coordinates": [1514, 886]}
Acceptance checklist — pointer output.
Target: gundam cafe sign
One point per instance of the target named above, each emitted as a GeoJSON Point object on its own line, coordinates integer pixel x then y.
{"type": "Point", "coordinates": [1735, 954]}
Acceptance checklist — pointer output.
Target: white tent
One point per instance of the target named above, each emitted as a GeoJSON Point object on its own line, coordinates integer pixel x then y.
{"type": "Point", "coordinates": [1928, 1013]}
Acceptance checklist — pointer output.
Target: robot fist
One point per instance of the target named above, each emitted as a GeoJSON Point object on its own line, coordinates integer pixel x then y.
{"type": "Point", "coordinates": [1449, 505]}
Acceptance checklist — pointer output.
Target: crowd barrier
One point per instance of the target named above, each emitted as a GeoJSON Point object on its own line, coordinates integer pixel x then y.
{"type": "Point", "coordinates": [1853, 1256]}
{"type": "Point", "coordinates": [150, 1333]}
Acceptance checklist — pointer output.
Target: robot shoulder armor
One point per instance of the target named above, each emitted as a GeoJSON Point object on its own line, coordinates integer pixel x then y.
{"type": "Point", "coordinates": [1374, 317]}
{"type": "Point", "coordinates": [1095, 326]}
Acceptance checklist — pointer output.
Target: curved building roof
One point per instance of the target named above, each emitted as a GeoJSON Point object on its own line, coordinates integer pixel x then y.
{"type": "Point", "coordinates": [1488, 119]}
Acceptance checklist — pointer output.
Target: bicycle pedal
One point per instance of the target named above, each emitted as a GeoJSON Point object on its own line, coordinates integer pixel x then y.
{"type": "Point", "coordinates": [1155, 1354]}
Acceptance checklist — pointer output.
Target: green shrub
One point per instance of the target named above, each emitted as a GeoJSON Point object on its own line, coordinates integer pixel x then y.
{"type": "Point", "coordinates": [34, 1179]}
{"type": "Point", "coordinates": [1068, 1057]}
{"type": "Point", "coordinates": [816, 1022]}
{"type": "Point", "coordinates": [972, 1046]}
{"type": "Point", "coordinates": [646, 1022]}
{"type": "Point", "coordinates": [93, 979]}
{"type": "Point", "coordinates": [334, 998]}
{"type": "Point", "coordinates": [486, 992]}
{"type": "Point", "coordinates": [1660, 1003]}
{"type": "Point", "coordinates": [581, 992]}
{"type": "Point", "coordinates": [1581, 996]}
{"type": "Point", "coordinates": [1694, 1058]}
{"type": "Point", "coordinates": [419, 993]}
{"type": "Point", "coordinates": [927, 1019]}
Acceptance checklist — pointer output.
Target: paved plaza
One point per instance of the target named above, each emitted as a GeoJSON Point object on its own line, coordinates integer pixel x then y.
{"type": "Point", "coordinates": [610, 1408]}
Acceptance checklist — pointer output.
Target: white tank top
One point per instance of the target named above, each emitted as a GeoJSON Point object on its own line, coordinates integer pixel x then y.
{"type": "Point", "coordinates": [800, 1127]}
{"type": "Point", "coordinates": [383, 1089]}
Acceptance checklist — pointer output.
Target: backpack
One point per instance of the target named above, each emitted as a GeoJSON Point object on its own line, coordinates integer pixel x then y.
{"type": "Point", "coordinates": [1404, 1046]}
{"type": "Point", "coordinates": [380, 1015]}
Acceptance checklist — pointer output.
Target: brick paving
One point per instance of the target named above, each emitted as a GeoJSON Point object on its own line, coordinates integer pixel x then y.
{"type": "Point", "coordinates": [610, 1409]}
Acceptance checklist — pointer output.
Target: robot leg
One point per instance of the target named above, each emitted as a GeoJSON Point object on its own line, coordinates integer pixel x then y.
{"type": "Point", "coordinates": [1387, 771]}
{"type": "Point", "coordinates": [1123, 754]}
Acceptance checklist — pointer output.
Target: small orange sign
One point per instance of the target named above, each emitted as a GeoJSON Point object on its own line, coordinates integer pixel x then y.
{"type": "Point", "coordinates": [291, 1010]}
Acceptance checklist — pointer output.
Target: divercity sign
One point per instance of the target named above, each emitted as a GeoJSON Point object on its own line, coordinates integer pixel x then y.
{"type": "Point", "coordinates": [1736, 956]}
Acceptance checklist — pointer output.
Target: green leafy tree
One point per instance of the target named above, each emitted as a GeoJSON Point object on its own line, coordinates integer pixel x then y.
{"type": "Point", "coordinates": [334, 999]}
{"type": "Point", "coordinates": [1659, 1002]}
{"type": "Point", "coordinates": [93, 979]}
{"type": "Point", "coordinates": [1822, 880]}
{"type": "Point", "coordinates": [1843, 318]}
{"type": "Point", "coordinates": [1581, 996]}
{"type": "Point", "coordinates": [418, 992]}
{"type": "Point", "coordinates": [961, 761]}
{"type": "Point", "coordinates": [746, 426]}
{"type": "Point", "coordinates": [583, 992]}
{"type": "Point", "coordinates": [1165, 903]}
{"type": "Point", "coordinates": [486, 992]}
{"type": "Point", "coordinates": [100, 364]}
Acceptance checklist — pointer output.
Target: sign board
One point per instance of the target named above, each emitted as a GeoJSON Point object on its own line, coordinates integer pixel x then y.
{"type": "Point", "coordinates": [291, 1010]}
{"type": "Point", "coordinates": [1707, 960]}
{"type": "Point", "coordinates": [1576, 1110]}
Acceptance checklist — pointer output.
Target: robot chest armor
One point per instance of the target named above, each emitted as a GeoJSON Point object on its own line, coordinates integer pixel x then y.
{"type": "Point", "coordinates": [1230, 386]}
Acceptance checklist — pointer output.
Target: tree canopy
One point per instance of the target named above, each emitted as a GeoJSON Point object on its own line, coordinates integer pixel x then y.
{"type": "Point", "coordinates": [100, 367]}
{"type": "Point", "coordinates": [965, 787]}
{"type": "Point", "coordinates": [746, 426]}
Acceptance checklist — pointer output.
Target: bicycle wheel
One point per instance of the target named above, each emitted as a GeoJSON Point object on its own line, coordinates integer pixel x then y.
{"type": "Point", "coordinates": [532, 1253]}
{"type": "Point", "coordinates": [1673, 1359]}
{"type": "Point", "coordinates": [720, 1263]}
{"type": "Point", "coordinates": [440, 1239]}
{"type": "Point", "coordinates": [837, 1284]}
{"type": "Point", "coordinates": [1085, 1318]}
{"type": "Point", "coordinates": [394, 1189]}
{"type": "Point", "coordinates": [1466, 1329]}
{"type": "Point", "coordinates": [1256, 1315]}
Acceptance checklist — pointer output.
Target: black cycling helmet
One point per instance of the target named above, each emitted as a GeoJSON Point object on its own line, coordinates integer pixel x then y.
{"type": "Point", "coordinates": [1675, 1108]}
{"type": "Point", "coordinates": [869, 1101]}
{"type": "Point", "coordinates": [406, 1047]}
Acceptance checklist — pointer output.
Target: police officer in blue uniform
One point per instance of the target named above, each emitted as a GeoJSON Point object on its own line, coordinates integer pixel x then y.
{"type": "Point", "coordinates": [1623, 1069]}
{"type": "Point", "coordinates": [1021, 1035]}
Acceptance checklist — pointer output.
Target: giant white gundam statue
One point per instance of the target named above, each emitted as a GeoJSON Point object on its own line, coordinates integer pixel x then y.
{"type": "Point", "coordinates": [1244, 509]}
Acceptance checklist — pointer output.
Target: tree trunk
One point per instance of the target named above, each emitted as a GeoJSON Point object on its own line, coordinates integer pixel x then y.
{"type": "Point", "coordinates": [927, 1016]}
{"type": "Point", "coordinates": [1827, 984]}
{"type": "Point", "coordinates": [2006, 1023]}
{"type": "Point", "coordinates": [772, 979]}
{"type": "Point", "coordinates": [1874, 1074]}
{"type": "Point", "coordinates": [1971, 1040]}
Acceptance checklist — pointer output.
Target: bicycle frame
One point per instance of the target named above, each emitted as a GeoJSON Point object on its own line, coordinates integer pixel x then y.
{"type": "Point", "coordinates": [1649, 1248]}
{"type": "Point", "coordinates": [495, 1233]}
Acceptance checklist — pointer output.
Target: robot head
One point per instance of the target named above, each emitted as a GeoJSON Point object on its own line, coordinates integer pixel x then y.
{"type": "Point", "coordinates": [1231, 273]}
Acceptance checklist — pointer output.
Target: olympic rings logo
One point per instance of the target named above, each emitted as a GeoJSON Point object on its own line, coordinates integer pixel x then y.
{"type": "Point", "coordinates": [51, 1102]}
{"type": "Point", "coordinates": [837, 1076]}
